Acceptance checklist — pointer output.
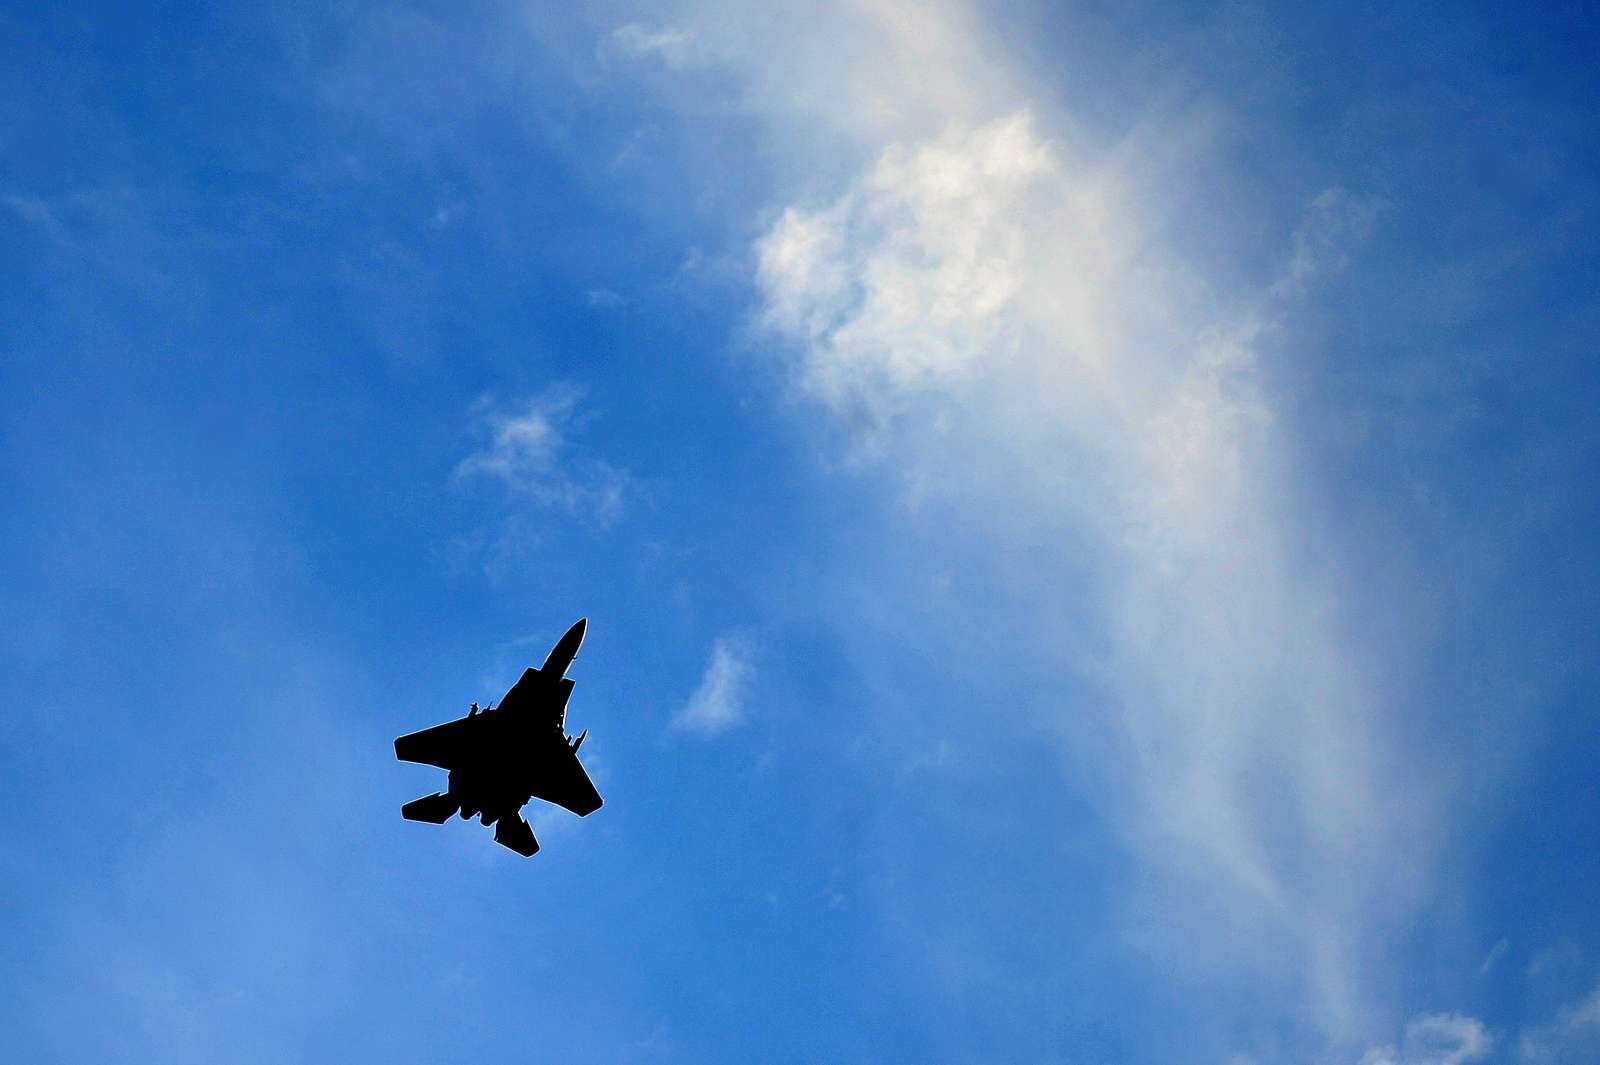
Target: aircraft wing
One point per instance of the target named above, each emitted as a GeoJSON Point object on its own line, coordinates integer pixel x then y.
{"type": "Point", "coordinates": [568, 786]}
{"type": "Point", "coordinates": [525, 690]}
{"type": "Point", "coordinates": [443, 745]}
{"type": "Point", "coordinates": [540, 697]}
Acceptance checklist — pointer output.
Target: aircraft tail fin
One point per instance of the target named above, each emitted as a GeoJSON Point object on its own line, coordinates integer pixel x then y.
{"type": "Point", "coordinates": [512, 831]}
{"type": "Point", "coordinates": [434, 809]}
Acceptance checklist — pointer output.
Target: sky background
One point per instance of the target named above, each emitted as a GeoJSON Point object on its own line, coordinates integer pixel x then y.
{"type": "Point", "coordinates": [1086, 513]}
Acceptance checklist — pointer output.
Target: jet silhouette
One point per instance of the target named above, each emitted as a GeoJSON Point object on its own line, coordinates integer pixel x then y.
{"type": "Point", "coordinates": [501, 757]}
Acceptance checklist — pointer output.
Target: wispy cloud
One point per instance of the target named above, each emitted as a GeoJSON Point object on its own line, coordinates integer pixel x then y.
{"type": "Point", "coordinates": [1336, 220]}
{"type": "Point", "coordinates": [674, 47]}
{"type": "Point", "coordinates": [1436, 1039]}
{"type": "Point", "coordinates": [1492, 959]}
{"type": "Point", "coordinates": [533, 455]}
{"type": "Point", "coordinates": [988, 270]}
{"type": "Point", "coordinates": [1574, 1035]}
{"type": "Point", "coordinates": [32, 209]}
{"type": "Point", "coordinates": [717, 705]}
{"type": "Point", "coordinates": [1587, 1013]}
{"type": "Point", "coordinates": [992, 304]}
{"type": "Point", "coordinates": [445, 215]}
{"type": "Point", "coordinates": [604, 299]}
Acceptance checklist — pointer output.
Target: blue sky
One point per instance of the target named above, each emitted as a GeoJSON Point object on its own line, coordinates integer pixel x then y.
{"type": "Point", "coordinates": [1086, 515]}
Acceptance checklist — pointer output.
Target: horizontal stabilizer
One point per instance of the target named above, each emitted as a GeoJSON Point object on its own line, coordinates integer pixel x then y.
{"type": "Point", "coordinates": [514, 832]}
{"type": "Point", "coordinates": [435, 809]}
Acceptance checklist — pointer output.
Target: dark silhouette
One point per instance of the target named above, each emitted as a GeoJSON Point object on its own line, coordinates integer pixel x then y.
{"type": "Point", "coordinates": [501, 757]}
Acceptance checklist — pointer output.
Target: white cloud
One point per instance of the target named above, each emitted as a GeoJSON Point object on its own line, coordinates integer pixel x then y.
{"type": "Point", "coordinates": [910, 278]}
{"type": "Point", "coordinates": [532, 455]}
{"type": "Point", "coordinates": [1003, 309]}
{"type": "Point", "coordinates": [990, 270]}
{"type": "Point", "coordinates": [827, 72]}
{"type": "Point", "coordinates": [717, 705]}
{"type": "Point", "coordinates": [1436, 1039]}
{"type": "Point", "coordinates": [999, 309]}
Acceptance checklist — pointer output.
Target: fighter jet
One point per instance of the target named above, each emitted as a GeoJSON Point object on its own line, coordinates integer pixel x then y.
{"type": "Point", "coordinates": [501, 757]}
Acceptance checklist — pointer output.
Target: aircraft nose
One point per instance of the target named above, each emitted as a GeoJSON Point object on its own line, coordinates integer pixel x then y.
{"type": "Point", "coordinates": [565, 650]}
{"type": "Point", "coordinates": [573, 639]}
